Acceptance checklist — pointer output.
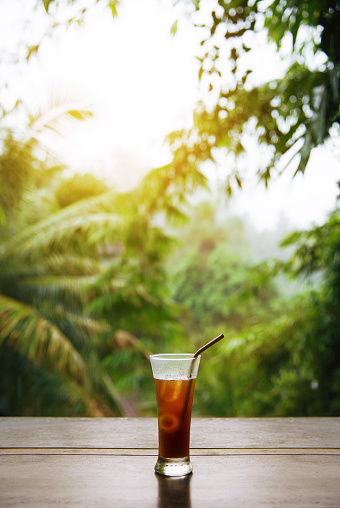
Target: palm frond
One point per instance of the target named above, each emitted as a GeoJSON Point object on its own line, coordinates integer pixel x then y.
{"type": "Point", "coordinates": [54, 264]}
{"type": "Point", "coordinates": [80, 329]}
{"type": "Point", "coordinates": [56, 116]}
{"type": "Point", "coordinates": [122, 339]}
{"type": "Point", "coordinates": [59, 234]}
{"type": "Point", "coordinates": [37, 339]}
{"type": "Point", "coordinates": [67, 291]}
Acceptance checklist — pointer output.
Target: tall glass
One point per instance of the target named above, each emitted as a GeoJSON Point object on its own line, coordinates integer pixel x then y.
{"type": "Point", "coordinates": [174, 376]}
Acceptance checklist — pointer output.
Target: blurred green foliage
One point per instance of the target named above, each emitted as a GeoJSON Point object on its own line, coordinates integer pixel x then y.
{"type": "Point", "coordinates": [90, 288]}
{"type": "Point", "coordinates": [92, 280]}
{"type": "Point", "coordinates": [288, 115]}
{"type": "Point", "coordinates": [280, 355]}
{"type": "Point", "coordinates": [81, 278]}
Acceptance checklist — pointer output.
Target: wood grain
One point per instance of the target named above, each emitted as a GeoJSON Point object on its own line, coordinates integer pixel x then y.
{"type": "Point", "coordinates": [120, 481]}
{"type": "Point", "coordinates": [254, 433]}
{"type": "Point", "coordinates": [108, 462]}
{"type": "Point", "coordinates": [153, 451]}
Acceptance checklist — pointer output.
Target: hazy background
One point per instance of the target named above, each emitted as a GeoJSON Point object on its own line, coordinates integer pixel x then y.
{"type": "Point", "coordinates": [142, 82]}
{"type": "Point", "coordinates": [118, 237]}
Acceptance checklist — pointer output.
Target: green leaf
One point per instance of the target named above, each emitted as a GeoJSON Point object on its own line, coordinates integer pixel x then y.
{"type": "Point", "coordinates": [113, 7]}
{"type": "Point", "coordinates": [80, 114]}
{"type": "Point", "coordinates": [47, 4]}
{"type": "Point", "coordinates": [173, 29]}
{"type": "Point", "coordinates": [305, 152]}
{"type": "Point", "coordinates": [31, 50]}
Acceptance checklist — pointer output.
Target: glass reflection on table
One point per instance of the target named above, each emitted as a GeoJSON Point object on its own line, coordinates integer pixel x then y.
{"type": "Point", "coordinates": [174, 492]}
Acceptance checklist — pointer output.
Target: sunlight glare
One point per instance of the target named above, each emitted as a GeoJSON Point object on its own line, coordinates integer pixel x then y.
{"type": "Point", "coordinates": [141, 81]}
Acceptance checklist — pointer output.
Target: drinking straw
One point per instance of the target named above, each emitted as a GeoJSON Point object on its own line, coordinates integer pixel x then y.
{"type": "Point", "coordinates": [211, 343]}
{"type": "Point", "coordinates": [201, 349]}
{"type": "Point", "coordinates": [198, 352]}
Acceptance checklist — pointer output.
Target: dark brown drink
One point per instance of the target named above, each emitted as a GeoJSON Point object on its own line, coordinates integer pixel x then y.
{"type": "Point", "coordinates": [174, 403]}
{"type": "Point", "coordinates": [175, 375]}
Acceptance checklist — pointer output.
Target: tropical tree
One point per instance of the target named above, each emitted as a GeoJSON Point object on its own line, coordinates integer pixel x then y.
{"type": "Point", "coordinates": [290, 114]}
{"type": "Point", "coordinates": [84, 293]}
{"type": "Point", "coordinates": [77, 284]}
{"type": "Point", "coordinates": [284, 358]}
{"type": "Point", "coordinates": [35, 313]}
{"type": "Point", "coordinates": [318, 348]}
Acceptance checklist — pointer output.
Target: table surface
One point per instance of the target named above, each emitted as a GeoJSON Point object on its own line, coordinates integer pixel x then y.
{"type": "Point", "coordinates": [108, 462]}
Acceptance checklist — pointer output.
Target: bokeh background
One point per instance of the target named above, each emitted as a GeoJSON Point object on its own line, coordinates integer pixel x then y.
{"type": "Point", "coordinates": [169, 171]}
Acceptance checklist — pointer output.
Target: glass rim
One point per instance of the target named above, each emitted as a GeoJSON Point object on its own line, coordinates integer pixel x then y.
{"type": "Point", "coordinates": [173, 356]}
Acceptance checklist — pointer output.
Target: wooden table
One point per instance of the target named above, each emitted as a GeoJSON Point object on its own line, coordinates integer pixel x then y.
{"type": "Point", "coordinates": [108, 462]}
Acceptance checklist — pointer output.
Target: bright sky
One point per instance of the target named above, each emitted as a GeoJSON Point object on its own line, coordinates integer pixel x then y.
{"type": "Point", "coordinates": [143, 84]}
{"type": "Point", "coordinates": [304, 200]}
{"type": "Point", "coordinates": [141, 81]}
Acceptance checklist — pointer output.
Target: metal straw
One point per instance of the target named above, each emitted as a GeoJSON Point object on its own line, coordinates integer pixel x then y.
{"type": "Point", "coordinates": [211, 343]}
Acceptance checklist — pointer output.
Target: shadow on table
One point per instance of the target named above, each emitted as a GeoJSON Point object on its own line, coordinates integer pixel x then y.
{"type": "Point", "coordinates": [174, 492]}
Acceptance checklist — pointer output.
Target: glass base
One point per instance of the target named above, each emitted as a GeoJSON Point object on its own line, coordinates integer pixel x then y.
{"type": "Point", "coordinates": [173, 467]}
